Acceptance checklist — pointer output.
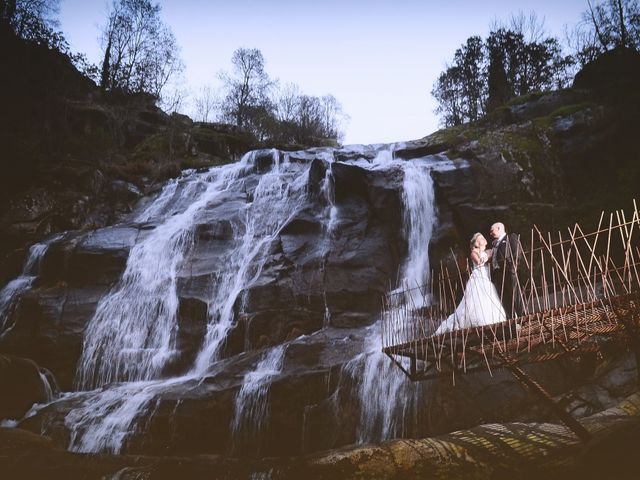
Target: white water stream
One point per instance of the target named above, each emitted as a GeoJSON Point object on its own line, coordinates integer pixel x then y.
{"type": "Point", "coordinates": [131, 338]}
{"type": "Point", "coordinates": [251, 414]}
{"type": "Point", "coordinates": [386, 395]}
{"type": "Point", "coordinates": [12, 292]}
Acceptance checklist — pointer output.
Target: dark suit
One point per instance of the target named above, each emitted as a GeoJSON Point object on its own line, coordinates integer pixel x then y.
{"type": "Point", "coordinates": [507, 257]}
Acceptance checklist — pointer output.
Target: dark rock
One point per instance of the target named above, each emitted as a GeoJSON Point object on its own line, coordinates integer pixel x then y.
{"type": "Point", "coordinates": [344, 155]}
{"type": "Point", "coordinates": [192, 326]}
{"type": "Point", "coordinates": [317, 172]}
{"type": "Point", "coordinates": [125, 191]}
{"type": "Point", "coordinates": [542, 104]}
{"type": "Point", "coordinates": [25, 455]}
{"type": "Point", "coordinates": [99, 256]}
{"type": "Point", "coordinates": [350, 180]}
{"type": "Point", "coordinates": [264, 159]}
{"type": "Point", "coordinates": [23, 384]}
{"type": "Point", "coordinates": [613, 69]}
{"type": "Point", "coordinates": [298, 226]}
{"type": "Point", "coordinates": [48, 327]}
{"type": "Point", "coordinates": [421, 148]}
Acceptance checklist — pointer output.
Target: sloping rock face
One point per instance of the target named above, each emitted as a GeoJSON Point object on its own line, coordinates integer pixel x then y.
{"type": "Point", "coordinates": [336, 246]}
{"type": "Point", "coordinates": [308, 277]}
{"type": "Point", "coordinates": [47, 323]}
{"type": "Point", "coordinates": [75, 157]}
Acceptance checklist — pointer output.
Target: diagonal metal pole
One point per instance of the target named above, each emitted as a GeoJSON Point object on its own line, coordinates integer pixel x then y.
{"type": "Point", "coordinates": [574, 425]}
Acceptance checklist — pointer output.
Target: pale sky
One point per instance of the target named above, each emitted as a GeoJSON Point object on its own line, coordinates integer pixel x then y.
{"type": "Point", "coordinates": [379, 58]}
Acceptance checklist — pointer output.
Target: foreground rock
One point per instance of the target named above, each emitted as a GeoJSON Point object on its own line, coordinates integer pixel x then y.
{"type": "Point", "coordinates": [493, 451]}
{"type": "Point", "coordinates": [516, 450]}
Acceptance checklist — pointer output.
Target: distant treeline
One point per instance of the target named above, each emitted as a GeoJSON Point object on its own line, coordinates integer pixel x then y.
{"type": "Point", "coordinates": [518, 58]}
{"type": "Point", "coordinates": [271, 111]}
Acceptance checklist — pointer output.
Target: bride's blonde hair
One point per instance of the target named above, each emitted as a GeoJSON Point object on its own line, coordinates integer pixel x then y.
{"type": "Point", "coordinates": [474, 238]}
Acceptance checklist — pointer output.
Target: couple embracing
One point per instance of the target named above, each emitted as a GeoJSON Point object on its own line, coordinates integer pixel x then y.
{"type": "Point", "coordinates": [491, 294]}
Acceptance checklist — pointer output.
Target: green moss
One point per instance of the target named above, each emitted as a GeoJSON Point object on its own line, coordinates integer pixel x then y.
{"type": "Point", "coordinates": [90, 142]}
{"type": "Point", "coordinates": [543, 123]}
{"type": "Point", "coordinates": [529, 97]}
{"type": "Point", "coordinates": [457, 135]}
{"type": "Point", "coordinates": [566, 110]}
{"type": "Point", "coordinates": [153, 148]}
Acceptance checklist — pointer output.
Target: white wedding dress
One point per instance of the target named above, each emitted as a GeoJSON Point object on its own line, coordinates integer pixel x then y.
{"type": "Point", "coordinates": [480, 304]}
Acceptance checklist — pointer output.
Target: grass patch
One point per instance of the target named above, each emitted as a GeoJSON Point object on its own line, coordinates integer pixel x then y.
{"type": "Point", "coordinates": [153, 148]}
{"type": "Point", "coordinates": [566, 110]}
{"type": "Point", "coordinates": [529, 97]}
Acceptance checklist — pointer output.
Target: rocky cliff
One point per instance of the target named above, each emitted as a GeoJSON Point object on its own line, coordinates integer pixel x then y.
{"type": "Point", "coordinates": [234, 310]}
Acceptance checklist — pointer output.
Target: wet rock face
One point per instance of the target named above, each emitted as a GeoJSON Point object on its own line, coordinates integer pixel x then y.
{"type": "Point", "coordinates": [48, 321]}
{"type": "Point", "coordinates": [317, 271]}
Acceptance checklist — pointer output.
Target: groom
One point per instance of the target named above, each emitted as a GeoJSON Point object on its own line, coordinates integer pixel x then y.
{"type": "Point", "coordinates": [504, 268]}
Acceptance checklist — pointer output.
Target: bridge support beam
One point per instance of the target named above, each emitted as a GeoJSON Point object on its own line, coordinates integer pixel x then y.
{"type": "Point", "coordinates": [574, 425]}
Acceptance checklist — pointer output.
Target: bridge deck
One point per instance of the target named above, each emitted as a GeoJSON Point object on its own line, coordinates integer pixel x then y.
{"type": "Point", "coordinates": [536, 337]}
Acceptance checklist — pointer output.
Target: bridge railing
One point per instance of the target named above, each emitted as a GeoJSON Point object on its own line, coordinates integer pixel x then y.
{"type": "Point", "coordinates": [570, 290]}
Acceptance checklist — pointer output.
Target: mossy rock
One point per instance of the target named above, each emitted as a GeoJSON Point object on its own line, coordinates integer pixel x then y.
{"type": "Point", "coordinates": [153, 148]}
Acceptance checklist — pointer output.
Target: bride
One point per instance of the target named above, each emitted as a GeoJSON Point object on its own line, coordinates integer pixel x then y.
{"type": "Point", "coordinates": [480, 304]}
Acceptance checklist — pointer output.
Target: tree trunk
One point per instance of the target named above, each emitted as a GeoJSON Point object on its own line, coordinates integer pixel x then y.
{"type": "Point", "coordinates": [623, 32]}
{"type": "Point", "coordinates": [105, 74]}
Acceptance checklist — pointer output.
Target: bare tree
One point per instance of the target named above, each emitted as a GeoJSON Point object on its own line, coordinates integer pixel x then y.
{"type": "Point", "coordinates": [615, 23]}
{"type": "Point", "coordinates": [529, 25]}
{"type": "Point", "coordinates": [247, 86]}
{"type": "Point", "coordinates": [333, 117]}
{"type": "Point", "coordinates": [206, 103]}
{"type": "Point", "coordinates": [140, 52]}
{"type": "Point", "coordinates": [604, 25]}
{"type": "Point", "coordinates": [583, 43]}
{"type": "Point", "coordinates": [286, 102]}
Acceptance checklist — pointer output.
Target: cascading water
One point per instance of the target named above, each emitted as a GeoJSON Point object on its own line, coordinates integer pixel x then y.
{"type": "Point", "coordinates": [103, 422]}
{"type": "Point", "coordinates": [278, 196]}
{"type": "Point", "coordinates": [12, 292]}
{"type": "Point", "coordinates": [131, 337]}
{"type": "Point", "coordinates": [331, 213]}
{"type": "Point", "coordinates": [386, 396]}
{"type": "Point", "coordinates": [252, 403]}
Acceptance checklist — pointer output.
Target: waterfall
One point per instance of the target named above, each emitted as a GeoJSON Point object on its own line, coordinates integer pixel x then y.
{"type": "Point", "coordinates": [386, 395]}
{"type": "Point", "coordinates": [11, 293]}
{"type": "Point", "coordinates": [102, 422]}
{"type": "Point", "coordinates": [419, 220]}
{"type": "Point", "coordinates": [49, 386]}
{"type": "Point", "coordinates": [131, 335]}
{"type": "Point", "coordinates": [252, 403]}
{"type": "Point", "coordinates": [386, 398]}
{"type": "Point", "coordinates": [331, 214]}
{"type": "Point", "coordinates": [131, 338]}
{"type": "Point", "coordinates": [277, 198]}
